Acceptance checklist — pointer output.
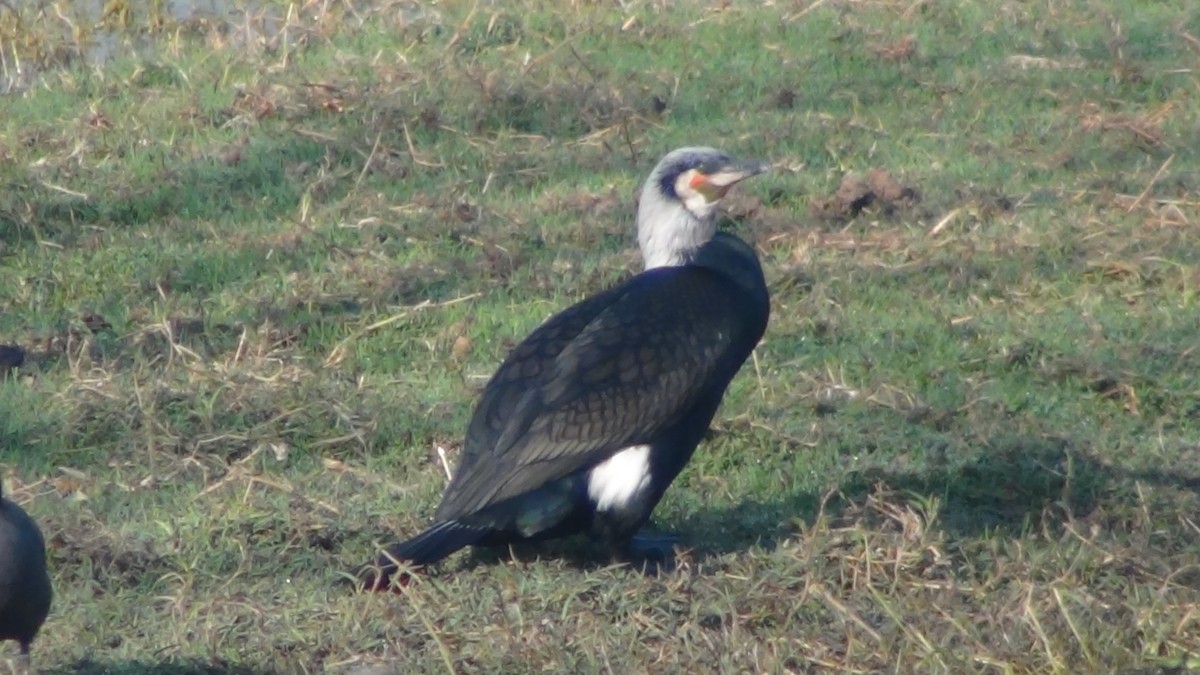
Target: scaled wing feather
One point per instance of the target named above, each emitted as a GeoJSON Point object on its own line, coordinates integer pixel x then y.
{"type": "Point", "coordinates": [634, 369]}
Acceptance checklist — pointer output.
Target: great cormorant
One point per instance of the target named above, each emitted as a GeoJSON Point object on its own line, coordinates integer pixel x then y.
{"type": "Point", "coordinates": [591, 417]}
{"type": "Point", "coordinates": [24, 584]}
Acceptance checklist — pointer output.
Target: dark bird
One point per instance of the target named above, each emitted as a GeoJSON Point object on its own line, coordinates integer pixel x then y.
{"type": "Point", "coordinates": [24, 584]}
{"type": "Point", "coordinates": [591, 417]}
{"type": "Point", "coordinates": [11, 358]}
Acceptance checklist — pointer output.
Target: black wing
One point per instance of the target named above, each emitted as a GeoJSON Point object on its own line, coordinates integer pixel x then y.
{"type": "Point", "coordinates": [524, 369]}
{"type": "Point", "coordinates": [610, 372]}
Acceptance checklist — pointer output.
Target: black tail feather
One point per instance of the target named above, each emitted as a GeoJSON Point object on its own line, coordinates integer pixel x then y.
{"type": "Point", "coordinates": [434, 543]}
{"type": "Point", "coordinates": [426, 548]}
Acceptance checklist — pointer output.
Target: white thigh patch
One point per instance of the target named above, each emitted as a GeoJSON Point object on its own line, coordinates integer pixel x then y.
{"type": "Point", "coordinates": [620, 479]}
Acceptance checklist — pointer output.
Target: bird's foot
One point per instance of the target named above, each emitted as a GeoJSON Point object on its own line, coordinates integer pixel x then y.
{"type": "Point", "coordinates": [651, 552]}
{"type": "Point", "coordinates": [653, 545]}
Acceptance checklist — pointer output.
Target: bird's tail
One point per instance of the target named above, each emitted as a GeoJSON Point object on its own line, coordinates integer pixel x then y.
{"type": "Point", "coordinates": [435, 543]}
{"type": "Point", "coordinates": [426, 548]}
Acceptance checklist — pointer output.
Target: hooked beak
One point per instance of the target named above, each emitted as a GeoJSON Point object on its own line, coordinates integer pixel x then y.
{"type": "Point", "coordinates": [715, 185]}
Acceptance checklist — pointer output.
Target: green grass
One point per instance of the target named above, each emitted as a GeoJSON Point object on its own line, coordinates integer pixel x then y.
{"type": "Point", "coordinates": [240, 267]}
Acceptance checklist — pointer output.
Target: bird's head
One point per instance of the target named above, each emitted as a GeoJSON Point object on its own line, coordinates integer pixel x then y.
{"type": "Point", "coordinates": [677, 210]}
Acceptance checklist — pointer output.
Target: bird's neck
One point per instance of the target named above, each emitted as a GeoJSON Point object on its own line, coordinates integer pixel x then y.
{"type": "Point", "coordinates": [670, 235]}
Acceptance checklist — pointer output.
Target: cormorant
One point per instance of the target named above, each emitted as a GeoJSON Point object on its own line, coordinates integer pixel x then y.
{"type": "Point", "coordinates": [591, 417]}
{"type": "Point", "coordinates": [24, 584]}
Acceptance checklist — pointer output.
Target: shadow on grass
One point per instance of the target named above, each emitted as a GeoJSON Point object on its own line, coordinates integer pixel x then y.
{"type": "Point", "coordinates": [1013, 487]}
{"type": "Point", "coordinates": [188, 667]}
{"type": "Point", "coordinates": [1005, 491]}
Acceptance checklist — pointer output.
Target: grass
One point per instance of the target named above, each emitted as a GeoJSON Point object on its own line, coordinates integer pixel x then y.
{"type": "Point", "coordinates": [261, 263]}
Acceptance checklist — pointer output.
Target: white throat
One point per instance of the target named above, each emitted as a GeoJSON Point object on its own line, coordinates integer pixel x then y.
{"type": "Point", "coordinates": [669, 233]}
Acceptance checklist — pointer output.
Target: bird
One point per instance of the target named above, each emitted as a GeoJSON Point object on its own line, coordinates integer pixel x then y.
{"type": "Point", "coordinates": [25, 590]}
{"type": "Point", "coordinates": [590, 418]}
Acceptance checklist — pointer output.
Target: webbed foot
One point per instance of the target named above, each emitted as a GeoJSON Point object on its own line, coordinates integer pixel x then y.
{"type": "Point", "coordinates": [651, 552]}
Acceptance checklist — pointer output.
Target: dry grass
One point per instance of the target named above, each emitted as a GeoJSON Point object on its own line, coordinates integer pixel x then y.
{"type": "Point", "coordinates": [255, 267]}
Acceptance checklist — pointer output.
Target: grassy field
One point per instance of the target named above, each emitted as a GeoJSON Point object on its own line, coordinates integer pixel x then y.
{"type": "Point", "coordinates": [260, 265]}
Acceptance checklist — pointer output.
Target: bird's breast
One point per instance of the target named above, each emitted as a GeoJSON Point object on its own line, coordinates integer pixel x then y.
{"type": "Point", "coordinates": [621, 479]}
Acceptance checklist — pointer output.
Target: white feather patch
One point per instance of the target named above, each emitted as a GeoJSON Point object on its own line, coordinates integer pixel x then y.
{"type": "Point", "coordinates": [620, 479]}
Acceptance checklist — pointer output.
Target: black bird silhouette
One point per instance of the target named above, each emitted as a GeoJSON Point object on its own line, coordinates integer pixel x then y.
{"type": "Point", "coordinates": [590, 418]}
{"type": "Point", "coordinates": [24, 584]}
